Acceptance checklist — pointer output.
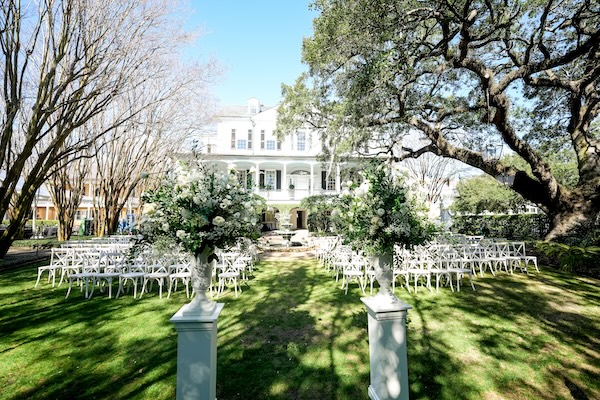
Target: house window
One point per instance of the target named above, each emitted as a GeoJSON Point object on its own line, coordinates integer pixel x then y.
{"type": "Point", "coordinates": [279, 145]}
{"type": "Point", "coordinates": [249, 138]}
{"type": "Point", "coordinates": [270, 179]}
{"type": "Point", "coordinates": [233, 139]}
{"type": "Point", "coordinates": [241, 144]}
{"type": "Point", "coordinates": [301, 141]}
{"type": "Point", "coordinates": [331, 182]}
{"type": "Point", "coordinates": [262, 140]}
{"type": "Point", "coordinates": [242, 176]}
{"type": "Point", "coordinates": [270, 145]}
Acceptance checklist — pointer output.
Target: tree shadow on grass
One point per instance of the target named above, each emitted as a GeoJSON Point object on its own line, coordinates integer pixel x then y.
{"type": "Point", "coordinates": [77, 348]}
{"type": "Point", "coordinates": [515, 323]}
{"type": "Point", "coordinates": [296, 340]}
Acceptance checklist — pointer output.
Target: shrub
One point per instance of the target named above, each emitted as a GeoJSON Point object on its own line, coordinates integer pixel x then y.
{"type": "Point", "coordinates": [513, 226]}
{"type": "Point", "coordinates": [572, 258]}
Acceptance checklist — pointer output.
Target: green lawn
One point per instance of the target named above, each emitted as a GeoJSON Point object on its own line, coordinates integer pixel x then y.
{"type": "Point", "coordinates": [293, 334]}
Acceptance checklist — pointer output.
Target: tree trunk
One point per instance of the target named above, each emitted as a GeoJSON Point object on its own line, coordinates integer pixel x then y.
{"type": "Point", "coordinates": [15, 227]}
{"type": "Point", "coordinates": [65, 228]}
{"type": "Point", "coordinates": [573, 216]}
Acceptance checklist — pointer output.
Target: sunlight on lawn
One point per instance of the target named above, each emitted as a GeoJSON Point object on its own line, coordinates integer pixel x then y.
{"type": "Point", "coordinates": [293, 333]}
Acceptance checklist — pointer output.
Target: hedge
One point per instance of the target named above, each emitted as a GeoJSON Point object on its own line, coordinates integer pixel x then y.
{"type": "Point", "coordinates": [513, 226]}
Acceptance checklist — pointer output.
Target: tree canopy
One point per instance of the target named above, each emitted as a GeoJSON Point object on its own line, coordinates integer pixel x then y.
{"type": "Point", "coordinates": [64, 63]}
{"type": "Point", "coordinates": [483, 193]}
{"type": "Point", "coordinates": [464, 74]}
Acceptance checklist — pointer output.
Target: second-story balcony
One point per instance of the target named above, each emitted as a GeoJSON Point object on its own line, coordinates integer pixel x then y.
{"type": "Point", "coordinates": [296, 194]}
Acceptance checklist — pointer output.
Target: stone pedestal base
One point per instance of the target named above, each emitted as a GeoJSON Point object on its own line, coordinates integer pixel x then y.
{"type": "Point", "coordinates": [196, 354]}
{"type": "Point", "coordinates": [387, 348]}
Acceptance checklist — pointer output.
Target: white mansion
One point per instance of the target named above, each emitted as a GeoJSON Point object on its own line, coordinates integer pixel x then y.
{"type": "Point", "coordinates": [283, 172]}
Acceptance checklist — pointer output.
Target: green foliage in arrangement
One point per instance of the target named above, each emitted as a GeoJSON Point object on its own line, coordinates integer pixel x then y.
{"type": "Point", "coordinates": [379, 213]}
{"type": "Point", "coordinates": [513, 226]}
{"type": "Point", "coordinates": [201, 207]}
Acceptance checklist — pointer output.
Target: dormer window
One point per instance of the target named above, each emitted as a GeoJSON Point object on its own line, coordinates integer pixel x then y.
{"type": "Point", "coordinates": [253, 106]}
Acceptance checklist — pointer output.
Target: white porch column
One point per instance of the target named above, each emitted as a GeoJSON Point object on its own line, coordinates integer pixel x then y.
{"type": "Point", "coordinates": [387, 348]}
{"type": "Point", "coordinates": [284, 181]}
{"type": "Point", "coordinates": [311, 181]}
{"type": "Point", "coordinates": [257, 178]}
{"type": "Point", "coordinates": [196, 355]}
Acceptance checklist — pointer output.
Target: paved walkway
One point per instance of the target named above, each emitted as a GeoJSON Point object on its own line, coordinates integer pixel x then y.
{"type": "Point", "coordinates": [19, 256]}
{"type": "Point", "coordinates": [287, 255]}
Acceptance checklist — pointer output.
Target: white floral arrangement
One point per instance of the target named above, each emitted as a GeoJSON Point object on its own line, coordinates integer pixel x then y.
{"type": "Point", "coordinates": [201, 207]}
{"type": "Point", "coordinates": [378, 213]}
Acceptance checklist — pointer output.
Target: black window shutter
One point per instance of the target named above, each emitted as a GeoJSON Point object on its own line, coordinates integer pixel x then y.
{"type": "Point", "coordinates": [323, 180]}
{"type": "Point", "coordinates": [278, 172]}
{"type": "Point", "coordinates": [261, 178]}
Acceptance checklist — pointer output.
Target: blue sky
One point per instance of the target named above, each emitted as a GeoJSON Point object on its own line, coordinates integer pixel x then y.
{"type": "Point", "coordinates": [257, 42]}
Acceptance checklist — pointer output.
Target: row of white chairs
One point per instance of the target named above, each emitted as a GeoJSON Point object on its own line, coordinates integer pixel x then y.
{"type": "Point", "coordinates": [443, 262]}
{"type": "Point", "coordinates": [91, 267]}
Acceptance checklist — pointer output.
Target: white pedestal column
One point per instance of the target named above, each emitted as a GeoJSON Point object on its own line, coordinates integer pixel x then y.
{"type": "Point", "coordinates": [387, 348]}
{"type": "Point", "coordinates": [196, 355]}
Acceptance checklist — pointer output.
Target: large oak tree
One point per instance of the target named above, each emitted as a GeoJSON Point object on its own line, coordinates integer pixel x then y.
{"type": "Point", "coordinates": [465, 74]}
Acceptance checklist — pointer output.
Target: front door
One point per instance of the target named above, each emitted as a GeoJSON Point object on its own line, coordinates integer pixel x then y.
{"type": "Point", "coordinates": [300, 219]}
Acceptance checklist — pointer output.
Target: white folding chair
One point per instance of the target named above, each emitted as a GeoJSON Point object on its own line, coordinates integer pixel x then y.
{"type": "Point", "coordinates": [354, 271]}
{"type": "Point", "coordinates": [229, 273]}
{"type": "Point", "coordinates": [59, 259]}
{"type": "Point", "coordinates": [111, 267]}
{"type": "Point", "coordinates": [157, 271]}
{"type": "Point", "coordinates": [180, 272]}
{"type": "Point", "coordinates": [90, 265]}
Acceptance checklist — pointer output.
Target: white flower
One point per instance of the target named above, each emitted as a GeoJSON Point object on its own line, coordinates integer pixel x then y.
{"type": "Point", "coordinates": [165, 226]}
{"type": "Point", "coordinates": [375, 220]}
{"type": "Point", "coordinates": [181, 234]}
{"type": "Point", "coordinates": [186, 214]}
{"type": "Point", "coordinates": [148, 208]}
{"type": "Point", "coordinates": [363, 189]}
{"type": "Point", "coordinates": [380, 212]}
{"type": "Point", "coordinates": [218, 220]}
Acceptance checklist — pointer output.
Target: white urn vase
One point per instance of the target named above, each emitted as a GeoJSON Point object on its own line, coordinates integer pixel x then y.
{"type": "Point", "coordinates": [202, 265]}
{"type": "Point", "coordinates": [384, 273]}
